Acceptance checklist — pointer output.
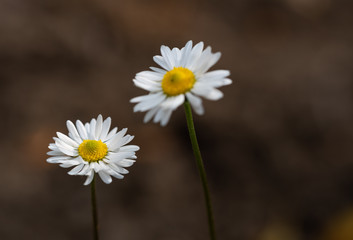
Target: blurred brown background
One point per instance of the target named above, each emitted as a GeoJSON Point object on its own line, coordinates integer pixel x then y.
{"type": "Point", "coordinates": [278, 147]}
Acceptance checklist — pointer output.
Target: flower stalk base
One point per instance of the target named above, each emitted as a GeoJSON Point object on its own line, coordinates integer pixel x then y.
{"type": "Point", "coordinates": [94, 209]}
{"type": "Point", "coordinates": [201, 168]}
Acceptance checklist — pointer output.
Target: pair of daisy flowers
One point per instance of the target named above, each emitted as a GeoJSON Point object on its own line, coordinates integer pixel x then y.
{"type": "Point", "coordinates": [93, 148]}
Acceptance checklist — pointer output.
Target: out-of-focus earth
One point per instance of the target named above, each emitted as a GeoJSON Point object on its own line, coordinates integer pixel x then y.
{"type": "Point", "coordinates": [278, 148]}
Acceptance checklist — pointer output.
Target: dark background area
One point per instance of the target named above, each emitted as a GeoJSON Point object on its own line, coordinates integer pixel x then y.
{"type": "Point", "coordinates": [278, 148]}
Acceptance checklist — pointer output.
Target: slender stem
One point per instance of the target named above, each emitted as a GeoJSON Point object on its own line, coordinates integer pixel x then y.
{"type": "Point", "coordinates": [201, 168]}
{"type": "Point", "coordinates": [94, 209]}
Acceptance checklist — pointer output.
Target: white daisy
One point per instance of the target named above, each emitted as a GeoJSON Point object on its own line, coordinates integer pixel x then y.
{"type": "Point", "coordinates": [184, 77]}
{"type": "Point", "coordinates": [91, 148]}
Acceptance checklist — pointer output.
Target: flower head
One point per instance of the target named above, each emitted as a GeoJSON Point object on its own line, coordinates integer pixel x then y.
{"type": "Point", "coordinates": [91, 148]}
{"type": "Point", "coordinates": [183, 76]}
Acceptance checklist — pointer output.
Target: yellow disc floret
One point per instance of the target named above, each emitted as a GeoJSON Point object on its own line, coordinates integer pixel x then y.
{"type": "Point", "coordinates": [177, 81]}
{"type": "Point", "coordinates": [92, 150]}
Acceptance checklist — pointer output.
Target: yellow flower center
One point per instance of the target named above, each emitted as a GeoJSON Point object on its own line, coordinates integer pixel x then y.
{"type": "Point", "coordinates": [92, 150]}
{"type": "Point", "coordinates": [177, 81]}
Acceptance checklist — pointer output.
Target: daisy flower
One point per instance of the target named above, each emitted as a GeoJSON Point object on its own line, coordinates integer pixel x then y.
{"type": "Point", "coordinates": [91, 148]}
{"type": "Point", "coordinates": [183, 76]}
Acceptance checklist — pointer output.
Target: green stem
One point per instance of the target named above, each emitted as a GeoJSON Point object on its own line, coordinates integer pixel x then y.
{"type": "Point", "coordinates": [94, 208]}
{"type": "Point", "coordinates": [201, 168]}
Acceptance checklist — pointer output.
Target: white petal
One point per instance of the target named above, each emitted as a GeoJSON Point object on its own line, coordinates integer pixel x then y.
{"type": "Point", "coordinates": [81, 129]}
{"type": "Point", "coordinates": [116, 157]}
{"type": "Point", "coordinates": [218, 82]}
{"type": "Point", "coordinates": [168, 56]}
{"type": "Point", "coordinates": [146, 86]}
{"type": "Point", "coordinates": [65, 148]}
{"type": "Point", "coordinates": [105, 129]}
{"type": "Point", "coordinates": [146, 97]}
{"type": "Point", "coordinates": [206, 91]}
{"type": "Point", "coordinates": [159, 70]}
{"type": "Point", "coordinates": [152, 76]}
{"type": "Point", "coordinates": [105, 177]}
{"type": "Point", "coordinates": [124, 141]}
{"type": "Point", "coordinates": [67, 164]}
{"type": "Point", "coordinates": [58, 159]}
{"type": "Point", "coordinates": [72, 129]}
{"type": "Point", "coordinates": [111, 134]}
{"type": "Point", "coordinates": [161, 62]}
{"type": "Point", "coordinates": [203, 61]}
{"type": "Point", "coordinates": [208, 59]}
{"type": "Point", "coordinates": [149, 80]}
{"type": "Point", "coordinates": [116, 175]}
{"type": "Point", "coordinates": [173, 102]}
{"type": "Point", "coordinates": [113, 146]}
{"type": "Point", "coordinates": [99, 125]}
{"type": "Point", "coordinates": [114, 141]}
{"type": "Point", "coordinates": [146, 105]}
{"type": "Point", "coordinates": [177, 57]}
{"type": "Point", "coordinates": [62, 144]}
{"type": "Point", "coordinates": [163, 116]}
{"type": "Point", "coordinates": [166, 117]}
{"type": "Point", "coordinates": [185, 52]}
{"type": "Point", "coordinates": [129, 139]}
{"type": "Point", "coordinates": [215, 78]}
{"type": "Point", "coordinates": [215, 57]}
{"type": "Point", "coordinates": [217, 74]}
{"type": "Point", "coordinates": [159, 115]}
{"type": "Point", "coordinates": [67, 140]}
{"type": "Point", "coordinates": [95, 166]}
{"type": "Point", "coordinates": [149, 115]}
{"type": "Point", "coordinates": [53, 147]}
{"type": "Point", "coordinates": [76, 169]}
{"type": "Point", "coordinates": [118, 169]}
{"type": "Point", "coordinates": [129, 148]}
{"type": "Point", "coordinates": [89, 178]}
{"type": "Point", "coordinates": [125, 162]}
{"type": "Point", "coordinates": [55, 153]}
{"type": "Point", "coordinates": [195, 54]}
{"type": "Point", "coordinates": [88, 129]}
{"type": "Point", "coordinates": [92, 129]}
{"type": "Point", "coordinates": [85, 170]}
{"type": "Point", "coordinates": [103, 166]}
{"type": "Point", "coordinates": [227, 81]}
{"type": "Point", "coordinates": [196, 103]}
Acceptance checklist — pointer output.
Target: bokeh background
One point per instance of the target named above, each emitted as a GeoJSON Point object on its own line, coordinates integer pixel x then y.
{"type": "Point", "coordinates": [278, 148]}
